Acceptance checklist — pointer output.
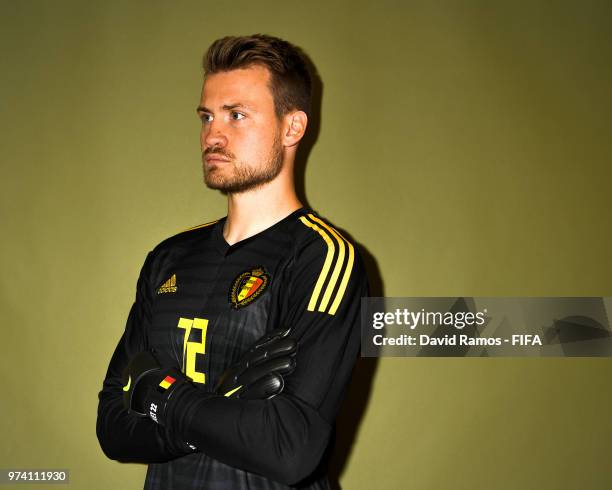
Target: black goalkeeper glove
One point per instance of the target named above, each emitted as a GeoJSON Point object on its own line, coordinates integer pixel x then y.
{"type": "Point", "coordinates": [149, 387]}
{"type": "Point", "coordinates": [259, 374]}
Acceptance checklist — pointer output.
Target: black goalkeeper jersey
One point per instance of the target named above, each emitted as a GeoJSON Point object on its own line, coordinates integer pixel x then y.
{"type": "Point", "coordinates": [201, 304]}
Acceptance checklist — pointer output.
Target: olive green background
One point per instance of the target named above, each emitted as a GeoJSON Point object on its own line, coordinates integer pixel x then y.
{"type": "Point", "coordinates": [464, 144]}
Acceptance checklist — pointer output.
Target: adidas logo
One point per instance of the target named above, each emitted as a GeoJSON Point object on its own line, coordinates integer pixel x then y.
{"type": "Point", "coordinates": [169, 286]}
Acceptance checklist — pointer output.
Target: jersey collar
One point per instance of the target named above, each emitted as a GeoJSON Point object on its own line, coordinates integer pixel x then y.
{"type": "Point", "coordinates": [225, 248]}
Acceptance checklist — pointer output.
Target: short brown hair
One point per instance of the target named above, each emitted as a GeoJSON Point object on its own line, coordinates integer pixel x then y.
{"type": "Point", "coordinates": [290, 81]}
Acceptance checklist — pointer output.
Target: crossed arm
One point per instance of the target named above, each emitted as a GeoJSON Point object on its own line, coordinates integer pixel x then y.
{"type": "Point", "coordinates": [282, 438]}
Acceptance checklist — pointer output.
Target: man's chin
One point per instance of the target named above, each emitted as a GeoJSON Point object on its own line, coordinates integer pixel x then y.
{"type": "Point", "coordinates": [213, 181]}
{"type": "Point", "coordinates": [233, 187]}
{"type": "Point", "coordinates": [220, 185]}
{"type": "Point", "coordinates": [214, 185]}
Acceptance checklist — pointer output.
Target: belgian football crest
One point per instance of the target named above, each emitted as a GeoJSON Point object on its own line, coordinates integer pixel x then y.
{"type": "Point", "coordinates": [248, 286]}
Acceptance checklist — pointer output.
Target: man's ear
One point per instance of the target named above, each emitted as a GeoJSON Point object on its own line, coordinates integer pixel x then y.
{"type": "Point", "coordinates": [296, 123]}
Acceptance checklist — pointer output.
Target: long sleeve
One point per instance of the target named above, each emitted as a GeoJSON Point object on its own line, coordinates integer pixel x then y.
{"type": "Point", "coordinates": [123, 436]}
{"type": "Point", "coordinates": [285, 437]}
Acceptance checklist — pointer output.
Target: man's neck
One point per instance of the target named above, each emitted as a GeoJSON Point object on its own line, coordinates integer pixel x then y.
{"type": "Point", "coordinates": [251, 212]}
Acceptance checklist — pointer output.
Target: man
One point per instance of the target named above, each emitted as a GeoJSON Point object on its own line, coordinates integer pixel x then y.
{"type": "Point", "coordinates": [206, 296]}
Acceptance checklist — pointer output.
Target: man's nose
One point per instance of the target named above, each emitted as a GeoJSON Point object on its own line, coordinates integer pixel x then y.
{"type": "Point", "coordinates": [213, 136]}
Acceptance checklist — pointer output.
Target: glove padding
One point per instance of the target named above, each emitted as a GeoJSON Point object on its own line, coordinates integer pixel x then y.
{"type": "Point", "coordinates": [259, 374]}
{"type": "Point", "coordinates": [149, 387]}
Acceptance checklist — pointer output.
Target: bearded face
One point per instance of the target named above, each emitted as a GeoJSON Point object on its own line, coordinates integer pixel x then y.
{"type": "Point", "coordinates": [241, 133]}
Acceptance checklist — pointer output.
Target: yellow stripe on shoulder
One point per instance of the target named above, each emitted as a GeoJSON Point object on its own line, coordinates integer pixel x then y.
{"type": "Point", "coordinates": [326, 265]}
{"type": "Point", "coordinates": [200, 226]}
{"type": "Point", "coordinates": [325, 231]}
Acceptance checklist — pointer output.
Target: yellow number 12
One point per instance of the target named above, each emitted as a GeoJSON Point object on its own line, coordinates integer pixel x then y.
{"type": "Point", "coordinates": [192, 348]}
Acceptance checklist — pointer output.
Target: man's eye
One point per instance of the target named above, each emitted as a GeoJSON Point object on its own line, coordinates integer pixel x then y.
{"type": "Point", "coordinates": [237, 116]}
{"type": "Point", "coordinates": [205, 117]}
